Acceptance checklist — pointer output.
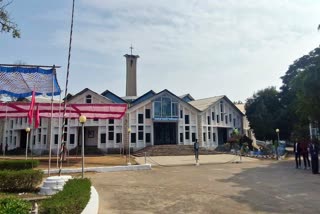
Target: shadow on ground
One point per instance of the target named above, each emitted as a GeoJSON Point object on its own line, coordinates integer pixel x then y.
{"type": "Point", "coordinates": [276, 187]}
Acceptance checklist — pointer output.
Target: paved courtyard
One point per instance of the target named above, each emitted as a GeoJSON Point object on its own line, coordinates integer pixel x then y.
{"type": "Point", "coordinates": [260, 186]}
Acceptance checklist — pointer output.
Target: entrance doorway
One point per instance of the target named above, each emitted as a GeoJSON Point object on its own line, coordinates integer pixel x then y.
{"type": "Point", "coordinates": [23, 139]}
{"type": "Point", "coordinates": [222, 136]}
{"type": "Point", "coordinates": [165, 133]}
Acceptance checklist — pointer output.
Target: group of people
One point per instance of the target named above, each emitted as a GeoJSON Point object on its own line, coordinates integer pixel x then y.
{"type": "Point", "coordinates": [304, 148]}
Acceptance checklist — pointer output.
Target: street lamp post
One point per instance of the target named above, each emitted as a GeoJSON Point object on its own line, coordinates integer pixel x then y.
{"type": "Point", "coordinates": [82, 120]}
{"type": "Point", "coordinates": [27, 130]}
{"type": "Point", "coordinates": [129, 131]}
{"type": "Point", "coordinates": [277, 130]}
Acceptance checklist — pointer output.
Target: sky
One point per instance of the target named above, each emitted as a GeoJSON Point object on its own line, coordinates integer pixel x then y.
{"type": "Point", "coordinates": [202, 47]}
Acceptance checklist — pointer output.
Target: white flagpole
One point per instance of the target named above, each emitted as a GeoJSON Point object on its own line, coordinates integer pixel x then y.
{"type": "Point", "coordinates": [51, 120]}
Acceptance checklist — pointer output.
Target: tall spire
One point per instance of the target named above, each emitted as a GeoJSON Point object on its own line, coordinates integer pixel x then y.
{"type": "Point", "coordinates": [131, 63]}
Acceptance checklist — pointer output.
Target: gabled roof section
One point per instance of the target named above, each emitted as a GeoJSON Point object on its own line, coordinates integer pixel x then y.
{"type": "Point", "coordinates": [113, 97]}
{"type": "Point", "coordinates": [169, 92]}
{"type": "Point", "coordinates": [144, 97]}
{"type": "Point", "coordinates": [70, 97]}
{"type": "Point", "coordinates": [187, 97]}
{"type": "Point", "coordinates": [204, 104]}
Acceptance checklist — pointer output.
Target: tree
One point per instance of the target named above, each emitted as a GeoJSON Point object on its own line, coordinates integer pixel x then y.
{"type": "Point", "coordinates": [299, 92]}
{"type": "Point", "coordinates": [264, 112]}
{"type": "Point", "coordinates": [7, 25]}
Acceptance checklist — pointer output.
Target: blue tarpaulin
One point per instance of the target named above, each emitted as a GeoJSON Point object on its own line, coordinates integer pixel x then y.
{"type": "Point", "coordinates": [21, 81]}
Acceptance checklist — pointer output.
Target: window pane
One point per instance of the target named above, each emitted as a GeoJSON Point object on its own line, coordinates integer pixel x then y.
{"type": "Point", "coordinates": [133, 137]}
{"type": "Point", "coordinates": [71, 138]}
{"type": "Point", "coordinates": [140, 118]}
{"type": "Point", "coordinates": [110, 135]}
{"type": "Point", "coordinates": [193, 137]}
{"type": "Point", "coordinates": [148, 138]}
{"type": "Point", "coordinates": [181, 137]}
{"type": "Point", "coordinates": [166, 107]}
{"type": "Point", "coordinates": [56, 139]}
{"type": "Point", "coordinates": [174, 109]}
{"type": "Point", "coordinates": [157, 109]}
{"type": "Point", "coordinates": [148, 116]}
{"type": "Point", "coordinates": [186, 119]}
{"type": "Point", "coordinates": [118, 138]}
{"type": "Point", "coordinates": [140, 135]}
{"type": "Point", "coordinates": [103, 138]}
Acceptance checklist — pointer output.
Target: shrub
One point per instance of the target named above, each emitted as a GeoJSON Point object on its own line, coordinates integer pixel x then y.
{"type": "Point", "coordinates": [22, 180]}
{"type": "Point", "coordinates": [18, 164]}
{"type": "Point", "coordinates": [14, 205]}
{"type": "Point", "coordinates": [71, 200]}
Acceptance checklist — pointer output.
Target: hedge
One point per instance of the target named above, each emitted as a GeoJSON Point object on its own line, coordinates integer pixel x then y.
{"type": "Point", "coordinates": [71, 200]}
{"type": "Point", "coordinates": [22, 180]}
{"type": "Point", "coordinates": [14, 205]}
{"type": "Point", "coordinates": [18, 164]}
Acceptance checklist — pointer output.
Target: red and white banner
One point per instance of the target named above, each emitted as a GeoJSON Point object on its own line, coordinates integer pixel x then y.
{"type": "Point", "coordinates": [91, 111]}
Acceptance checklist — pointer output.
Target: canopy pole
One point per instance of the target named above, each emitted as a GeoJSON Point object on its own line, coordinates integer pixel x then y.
{"type": "Point", "coordinates": [51, 120]}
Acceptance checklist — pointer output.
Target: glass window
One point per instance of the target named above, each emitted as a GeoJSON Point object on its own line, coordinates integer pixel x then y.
{"type": "Point", "coordinates": [111, 133]}
{"type": "Point", "coordinates": [187, 130]}
{"type": "Point", "coordinates": [111, 121]}
{"type": "Point", "coordinates": [209, 120]}
{"type": "Point", "coordinates": [181, 114]}
{"type": "Point", "coordinates": [140, 118]}
{"type": "Point", "coordinates": [221, 117]}
{"type": "Point", "coordinates": [174, 109]}
{"type": "Point", "coordinates": [148, 116]}
{"type": "Point", "coordinates": [226, 119]}
{"type": "Point", "coordinates": [213, 116]}
{"type": "Point", "coordinates": [71, 138]}
{"type": "Point", "coordinates": [193, 137]}
{"type": "Point", "coordinates": [204, 137]}
{"type": "Point", "coordinates": [103, 138]}
{"type": "Point", "coordinates": [218, 121]}
{"type": "Point", "coordinates": [56, 139]}
{"type": "Point", "coordinates": [133, 138]}
{"type": "Point", "coordinates": [186, 119]}
{"type": "Point", "coordinates": [148, 138]}
{"type": "Point", "coordinates": [166, 107]}
{"type": "Point", "coordinates": [118, 138]}
{"type": "Point", "coordinates": [214, 137]}
{"type": "Point", "coordinates": [140, 133]}
{"type": "Point", "coordinates": [230, 118]}
{"type": "Point", "coordinates": [44, 139]}
{"type": "Point", "coordinates": [157, 109]}
{"type": "Point", "coordinates": [221, 106]}
{"type": "Point", "coordinates": [88, 99]}
{"type": "Point", "coordinates": [181, 137]}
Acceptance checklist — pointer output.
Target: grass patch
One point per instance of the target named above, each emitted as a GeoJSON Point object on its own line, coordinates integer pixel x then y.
{"type": "Point", "coordinates": [18, 164]}
{"type": "Point", "coordinates": [71, 200]}
{"type": "Point", "coordinates": [22, 180]}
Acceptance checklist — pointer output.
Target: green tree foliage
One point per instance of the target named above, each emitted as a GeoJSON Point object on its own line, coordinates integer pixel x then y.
{"type": "Point", "coordinates": [6, 23]}
{"type": "Point", "coordinates": [300, 92]}
{"type": "Point", "coordinates": [264, 111]}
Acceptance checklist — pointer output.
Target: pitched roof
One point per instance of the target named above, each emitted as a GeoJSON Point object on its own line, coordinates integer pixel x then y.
{"type": "Point", "coordinates": [143, 97]}
{"type": "Point", "coordinates": [82, 92]}
{"type": "Point", "coordinates": [203, 104]}
{"type": "Point", "coordinates": [112, 96]}
{"type": "Point", "coordinates": [187, 97]}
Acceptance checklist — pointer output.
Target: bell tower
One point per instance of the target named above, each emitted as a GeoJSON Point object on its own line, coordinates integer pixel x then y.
{"type": "Point", "coordinates": [131, 82]}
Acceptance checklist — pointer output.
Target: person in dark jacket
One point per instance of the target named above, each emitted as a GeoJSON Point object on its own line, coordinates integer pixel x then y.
{"type": "Point", "coordinates": [297, 154]}
{"type": "Point", "coordinates": [196, 149]}
{"type": "Point", "coordinates": [314, 152]}
{"type": "Point", "coordinates": [304, 152]}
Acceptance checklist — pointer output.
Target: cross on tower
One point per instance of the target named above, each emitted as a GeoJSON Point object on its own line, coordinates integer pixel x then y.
{"type": "Point", "coordinates": [131, 48]}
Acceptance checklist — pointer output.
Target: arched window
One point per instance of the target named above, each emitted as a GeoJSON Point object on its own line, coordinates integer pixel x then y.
{"type": "Point", "coordinates": [88, 99]}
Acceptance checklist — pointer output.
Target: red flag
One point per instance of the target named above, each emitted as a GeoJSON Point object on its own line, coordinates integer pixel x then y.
{"type": "Point", "coordinates": [30, 113]}
{"type": "Point", "coordinates": [37, 122]}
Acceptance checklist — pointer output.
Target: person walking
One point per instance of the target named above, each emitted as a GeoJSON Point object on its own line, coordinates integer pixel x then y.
{"type": "Point", "coordinates": [314, 152]}
{"type": "Point", "coordinates": [196, 149]}
{"type": "Point", "coordinates": [297, 154]}
{"type": "Point", "coordinates": [305, 155]}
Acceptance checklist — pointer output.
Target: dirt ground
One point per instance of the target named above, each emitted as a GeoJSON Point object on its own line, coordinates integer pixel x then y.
{"type": "Point", "coordinates": [252, 187]}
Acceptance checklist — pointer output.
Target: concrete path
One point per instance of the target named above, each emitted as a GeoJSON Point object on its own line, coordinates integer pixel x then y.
{"type": "Point", "coordinates": [262, 186]}
{"type": "Point", "coordinates": [190, 159]}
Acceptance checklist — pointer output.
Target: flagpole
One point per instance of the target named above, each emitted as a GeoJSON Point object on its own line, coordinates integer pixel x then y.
{"type": "Point", "coordinates": [51, 120]}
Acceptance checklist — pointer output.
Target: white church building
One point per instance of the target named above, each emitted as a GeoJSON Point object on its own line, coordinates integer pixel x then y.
{"type": "Point", "coordinates": [154, 118]}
